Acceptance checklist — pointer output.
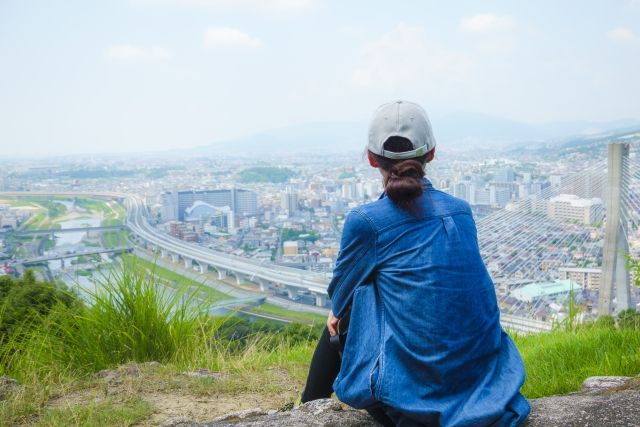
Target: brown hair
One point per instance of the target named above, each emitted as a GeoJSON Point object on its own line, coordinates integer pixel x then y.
{"type": "Point", "coordinates": [403, 183]}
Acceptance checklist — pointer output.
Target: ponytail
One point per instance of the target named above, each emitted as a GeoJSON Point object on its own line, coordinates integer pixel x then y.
{"type": "Point", "coordinates": [404, 182]}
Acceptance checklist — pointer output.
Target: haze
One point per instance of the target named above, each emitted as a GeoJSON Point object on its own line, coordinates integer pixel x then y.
{"type": "Point", "coordinates": [152, 75]}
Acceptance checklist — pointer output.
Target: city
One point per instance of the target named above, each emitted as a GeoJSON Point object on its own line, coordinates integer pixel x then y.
{"type": "Point", "coordinates": [539, 219]}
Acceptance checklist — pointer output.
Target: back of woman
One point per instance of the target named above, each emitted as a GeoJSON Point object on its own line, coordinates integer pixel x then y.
{"type": "Point", "coordinates": [439, 354]}
{"type": "Point", "coordinates": [425, 344]}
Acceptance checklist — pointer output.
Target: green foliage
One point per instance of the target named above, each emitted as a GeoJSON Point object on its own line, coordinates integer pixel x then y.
{"type": "Point", "coordinates": [241, 331]}
{"type": "Point", "coordinates": [634, 267]}
{"type": "Point", "coordinates": [266, 174]}
{"type": "Point", "coordinates": [55, 209]}
{"type": "Point", "coordinates": [557, 362]}
{"type": "Point", "coordinates": [290, 234]}
{"type": "Point", "coordinates": [629, 319]}
{"type": "Point", "coordinates": [26, 301]}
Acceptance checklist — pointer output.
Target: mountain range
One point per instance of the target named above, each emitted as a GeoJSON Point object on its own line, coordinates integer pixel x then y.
{"type": "Point", "coordinates": [454, 132]}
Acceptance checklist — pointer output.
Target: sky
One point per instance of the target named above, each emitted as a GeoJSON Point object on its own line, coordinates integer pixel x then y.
{"type": "Point", "coordinates": [138, 75]}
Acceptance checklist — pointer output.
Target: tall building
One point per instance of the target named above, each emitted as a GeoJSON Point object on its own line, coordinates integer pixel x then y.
{"type": "Point", "coordinates": [571, 207]}
{"type": "Point", "coordinates": [241, 202]}
{"type": "Point", "coordinates": [289, 202]}
{"type": "Point", "coordinates": [505, 174]}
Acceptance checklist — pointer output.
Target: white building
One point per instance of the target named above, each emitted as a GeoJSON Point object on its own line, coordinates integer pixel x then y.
{"type": "Point", "coordinates": [588, 278]}
{"type": "Point", "coordinates": [571, 207]}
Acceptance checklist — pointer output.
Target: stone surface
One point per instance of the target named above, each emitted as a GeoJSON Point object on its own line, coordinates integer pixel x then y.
{"type": "Point", "coordinates": [604, 402]}
{"type": "Point", "coordinates": [596, 384]}
{"type": "Point", "coordinates": [203, 373]}
{"type": "Point", "coordinates": [7, 386]}
{"type": "Point", "coordinates": [323, 412]}
{"type": "Point", "coordinates": [621, 408]}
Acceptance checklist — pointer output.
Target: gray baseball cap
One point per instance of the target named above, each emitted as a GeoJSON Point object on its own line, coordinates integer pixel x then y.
{"type": "Point", "coordinates": [405, 119]}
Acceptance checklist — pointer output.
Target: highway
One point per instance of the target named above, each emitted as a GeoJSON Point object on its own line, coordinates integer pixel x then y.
{"type": "Point", "coordinates": [290, 277]}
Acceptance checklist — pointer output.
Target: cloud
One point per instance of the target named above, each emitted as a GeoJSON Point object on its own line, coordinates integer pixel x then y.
{"type": "Point", "coordinates": [127, 52]}
{"type": "Point", "coordinates": [623, 35]}
{"type": "Point", "coordinates": [225, 36]}
{"type": "Point", "coordinates": [404, 58]}
{"type": "Point", "coordinates": [488, 23]}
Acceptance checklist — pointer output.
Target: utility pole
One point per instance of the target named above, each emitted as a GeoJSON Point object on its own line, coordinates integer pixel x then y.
{"type": "Point", "coordinates": [616, 246]}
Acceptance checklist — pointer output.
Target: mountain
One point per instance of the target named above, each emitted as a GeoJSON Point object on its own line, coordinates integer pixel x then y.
{"type": "Point", "coordinates": [460, 131]}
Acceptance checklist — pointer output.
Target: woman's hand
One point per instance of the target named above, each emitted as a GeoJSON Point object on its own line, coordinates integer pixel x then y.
{"type": "Point", "coordinates": [332, 324]}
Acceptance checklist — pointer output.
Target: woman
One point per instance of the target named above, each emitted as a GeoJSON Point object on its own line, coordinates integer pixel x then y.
{"type": "Point", "coordinates": [424, 344]}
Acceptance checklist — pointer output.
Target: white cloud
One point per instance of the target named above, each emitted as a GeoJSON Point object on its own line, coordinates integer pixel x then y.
{"type": "Point", "coordinates": [225, 36]}
{"type": "Point", "coordinates": [488, 23]}
{"type": "Point", "coordinates": [404, 58]}
{"type": "Point", "coordinates": [623, 35]}
{"type": "Point", "coordinates": [127, 52]}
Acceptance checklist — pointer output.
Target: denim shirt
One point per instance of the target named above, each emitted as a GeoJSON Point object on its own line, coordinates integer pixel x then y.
{"type": "Point", "coordinates": [424, 335]}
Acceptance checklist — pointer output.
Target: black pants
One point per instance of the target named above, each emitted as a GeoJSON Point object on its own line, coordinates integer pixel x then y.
{"type": "Point", "coordinates": [325, 365]}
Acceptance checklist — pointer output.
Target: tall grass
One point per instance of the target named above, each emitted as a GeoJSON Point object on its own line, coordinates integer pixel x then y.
{"type": "Point", "coordinates": [558, 362]}
{"type": "Point", "coordinates": [130, 317]}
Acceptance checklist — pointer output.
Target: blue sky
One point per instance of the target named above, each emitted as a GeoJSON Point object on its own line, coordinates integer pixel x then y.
{"type": "Point", "coordinates": [134, 75]}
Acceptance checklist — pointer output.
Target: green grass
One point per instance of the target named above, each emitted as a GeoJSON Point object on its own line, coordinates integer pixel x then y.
{"type": "Point", "coordinates": [296, 316]}
{"type": "Point", "coordinates": [134, 319]}
{"type": "Point", "coordinates": [106, 413]}
{"type": "Point", "coordinates": [557, 362]}
{"type": "Point", "coordinates": [178, 281]}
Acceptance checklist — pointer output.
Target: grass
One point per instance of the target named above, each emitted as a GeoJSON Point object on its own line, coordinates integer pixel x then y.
{"type": "Point", "coordinates": [178, 281]}
{"type": "Point", "coordinates": [296, 316]}
{"type": "Point", "coordinates": [105, 413]}
{"type": "Point", "coordinates": [135, 320]}
{"type": "Point", "coordinates": [557, 362]}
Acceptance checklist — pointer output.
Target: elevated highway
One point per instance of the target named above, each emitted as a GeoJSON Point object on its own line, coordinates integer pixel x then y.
{"type": "Point", "coordinates": [293, 279]}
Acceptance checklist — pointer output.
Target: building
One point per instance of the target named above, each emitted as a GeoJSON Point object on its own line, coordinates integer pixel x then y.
{"type": "Point", "coordinates": [569, 207]}
{"type": "Point", "coordinates": [558, 289]}
{"type": "Point", "coordinates": [241, 202]}
{"type": "Point", "coordinates": [505, 174]}
{"type": "Point", "coordinates": [289, 202]}
{"type": "Point", "coordinates": [290, 248]}
{"type": "Point", "coordinates": [588, 278]}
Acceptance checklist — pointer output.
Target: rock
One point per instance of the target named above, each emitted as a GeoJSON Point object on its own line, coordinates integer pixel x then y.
{"type": "Point", "coordinates": [596, 384]}
{"type": "Point", "coordinates": [114, 376]}
{"type": "Point", "coordinates": [110, 376]}
{"type": "Point", "coordinates": [323, 412]}
{"type": "Point", "coordinates": [598, 410]}
{"type": "Point", "coordinates": [130, 370]}
{"type": "Point", "coordinates": [203, 373]}
{"type": "Point", "coordinates": [7, 386]}
{"type": "Point", "coordinates": [240, 415]}
{"type": "Point", "coordinates": [604, 402]}
{"type": "Point", "coordinates": [178, 422]}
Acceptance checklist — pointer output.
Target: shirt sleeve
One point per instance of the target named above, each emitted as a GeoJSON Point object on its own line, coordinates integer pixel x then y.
{"type": "Point", "coordinates": [356, 261]}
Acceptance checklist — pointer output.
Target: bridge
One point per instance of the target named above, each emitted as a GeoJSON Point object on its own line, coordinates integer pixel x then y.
{"type": "Point", "coordinates": [75, 254]}
{"type": "Point", "coordinates": [70, 230]}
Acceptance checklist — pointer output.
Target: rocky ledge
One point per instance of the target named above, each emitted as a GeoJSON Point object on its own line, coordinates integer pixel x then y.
{"type": "Point", "coordinates": [602, 402]}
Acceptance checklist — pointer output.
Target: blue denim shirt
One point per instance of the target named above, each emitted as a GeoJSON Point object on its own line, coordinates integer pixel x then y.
{"type": "Point", "coordinates": [425, 335]}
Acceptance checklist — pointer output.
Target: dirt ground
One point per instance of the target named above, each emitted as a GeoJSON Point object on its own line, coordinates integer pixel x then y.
{"type": "Point", "coordinates": [200, 396]}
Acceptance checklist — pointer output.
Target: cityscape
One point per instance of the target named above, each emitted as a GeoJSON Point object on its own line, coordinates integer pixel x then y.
{"type": "Point", "coordinates": [539, 215]}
